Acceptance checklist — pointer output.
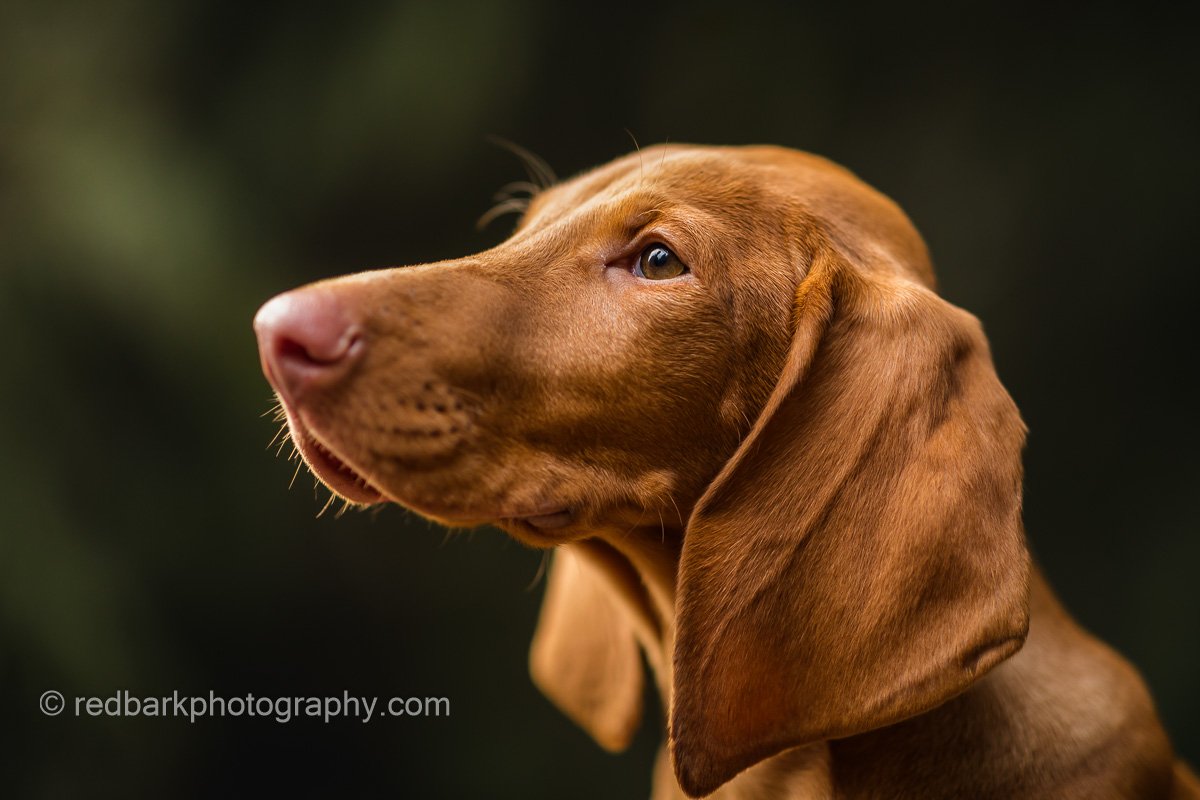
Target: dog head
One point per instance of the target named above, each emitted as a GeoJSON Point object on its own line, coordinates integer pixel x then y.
{"type": "Point", "coordinates": [742, 343]}
{"type": "Point", "coordinates": [597, 368]}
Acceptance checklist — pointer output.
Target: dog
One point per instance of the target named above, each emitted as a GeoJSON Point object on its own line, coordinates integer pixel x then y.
{"type": "Point", "coordinates": [721, 384]}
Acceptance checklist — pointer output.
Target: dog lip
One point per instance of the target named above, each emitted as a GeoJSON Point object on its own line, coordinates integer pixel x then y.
{"type": "Point", "coordinates": [538, 530]}
{"type": "Point", "coordinates": [549, 521]}
{"type": "Point", "coordinates": [332, 470]}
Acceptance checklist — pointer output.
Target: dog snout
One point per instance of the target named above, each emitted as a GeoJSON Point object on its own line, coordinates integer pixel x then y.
{"type": "Point", "coordinates": [307, 340]}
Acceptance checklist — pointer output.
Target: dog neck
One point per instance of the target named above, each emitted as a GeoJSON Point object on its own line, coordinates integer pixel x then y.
{"type": "Point", "coordinates": [641, 566]}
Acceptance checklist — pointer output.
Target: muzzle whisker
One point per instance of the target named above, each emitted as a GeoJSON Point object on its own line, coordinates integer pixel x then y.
{"type": "Point", "coordinates": [292, 482]}
{"type": "Point", "coordinates": [678, 513]}
{"type": "Point", "coordinates": [636, 524]}
{"type": "Point", "coordinates": [541, 571]}
{"type": "Point", "coordinates": [275, 438]}
{"type": "Point", "coordinates": [275, 409]}
{"type": "Point", "coordinates": [325, 507]}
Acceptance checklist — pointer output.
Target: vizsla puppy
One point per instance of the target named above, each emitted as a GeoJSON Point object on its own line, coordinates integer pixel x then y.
{"type": "Point", "coordinates": [720, 382]}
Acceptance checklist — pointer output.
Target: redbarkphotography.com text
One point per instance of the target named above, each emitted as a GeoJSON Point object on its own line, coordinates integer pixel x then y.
{"type": "Point", "coordinates": [192, 707]}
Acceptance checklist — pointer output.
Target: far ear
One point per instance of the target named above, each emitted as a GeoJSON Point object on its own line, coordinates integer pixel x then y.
{"type": "Point", "coordinates": [861, 557]}
{"type": "Point", "coordinates": [585, 656]}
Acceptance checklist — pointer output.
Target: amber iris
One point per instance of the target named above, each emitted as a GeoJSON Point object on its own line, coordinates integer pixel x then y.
{"type": "Point", "coordinates": [658, 263]}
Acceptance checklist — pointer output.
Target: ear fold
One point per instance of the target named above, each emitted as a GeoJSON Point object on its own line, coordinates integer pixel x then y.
{"type": "Point", "coordinates": [861, 558]}
{"type": "Point", "coordinates": [585, 656]}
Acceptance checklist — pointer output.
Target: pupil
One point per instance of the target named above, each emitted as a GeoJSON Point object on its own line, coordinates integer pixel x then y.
{"type": "Point", "coordinates": [659, 256]}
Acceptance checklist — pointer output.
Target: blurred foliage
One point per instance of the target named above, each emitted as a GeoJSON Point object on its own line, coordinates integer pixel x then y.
{"type": "Point", "coordinates": [165, 167]}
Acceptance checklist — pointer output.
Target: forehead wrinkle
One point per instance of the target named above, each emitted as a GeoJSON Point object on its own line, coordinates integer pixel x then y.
{"type": "Point", "coordinates": [599, 214]}
{"type": "Point", "coordinates": [636, 169]}
{"type": "Point", "coordinates": [555, 201]}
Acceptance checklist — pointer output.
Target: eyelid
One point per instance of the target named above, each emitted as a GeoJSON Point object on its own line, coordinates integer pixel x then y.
{"type": "Point", "coordinates": [653, 235]}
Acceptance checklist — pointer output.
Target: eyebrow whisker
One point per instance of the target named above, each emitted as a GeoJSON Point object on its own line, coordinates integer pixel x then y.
{"type": "Point", "coordinates": [638, 148]}
{"type": "Point", "coordinates": [511, 190]}
{"type": "Point", "coordinates": [536, 168]}
{"type": "Point", "coordinates": [513, 205]}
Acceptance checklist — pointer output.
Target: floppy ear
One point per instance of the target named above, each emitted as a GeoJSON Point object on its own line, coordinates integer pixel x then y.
{"type": "Point", "coordinates": [860, 559]}
{"type": "Point", "coordinates": [585, 656]}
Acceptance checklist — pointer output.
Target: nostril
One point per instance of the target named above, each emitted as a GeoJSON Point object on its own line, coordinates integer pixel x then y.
{"type": "Point", "coordinates": [316, 354]}
{"type": "Point", "coordinates": [290, 349]}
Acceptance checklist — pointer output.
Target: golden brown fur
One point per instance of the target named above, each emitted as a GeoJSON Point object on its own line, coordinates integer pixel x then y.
{"type": "Point", "coordinates": [790, 478]}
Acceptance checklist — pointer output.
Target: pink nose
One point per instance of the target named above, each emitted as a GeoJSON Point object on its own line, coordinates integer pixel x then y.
{"type": "Point", "coordinates": [306, 341]}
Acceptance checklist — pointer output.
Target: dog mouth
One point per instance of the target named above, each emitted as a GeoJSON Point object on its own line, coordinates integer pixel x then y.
{"type": "Point", "coordinates": [352, 483]}
{"type": "Point", "coordinates": [330, 468]}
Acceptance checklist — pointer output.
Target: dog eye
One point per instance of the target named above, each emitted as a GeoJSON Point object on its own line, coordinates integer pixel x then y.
{"type": "Point", "coordinates": [658, 263]}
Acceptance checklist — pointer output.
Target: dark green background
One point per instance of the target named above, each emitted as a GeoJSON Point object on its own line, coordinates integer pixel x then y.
{"type": "Point", "coordinates": [167, 166]}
